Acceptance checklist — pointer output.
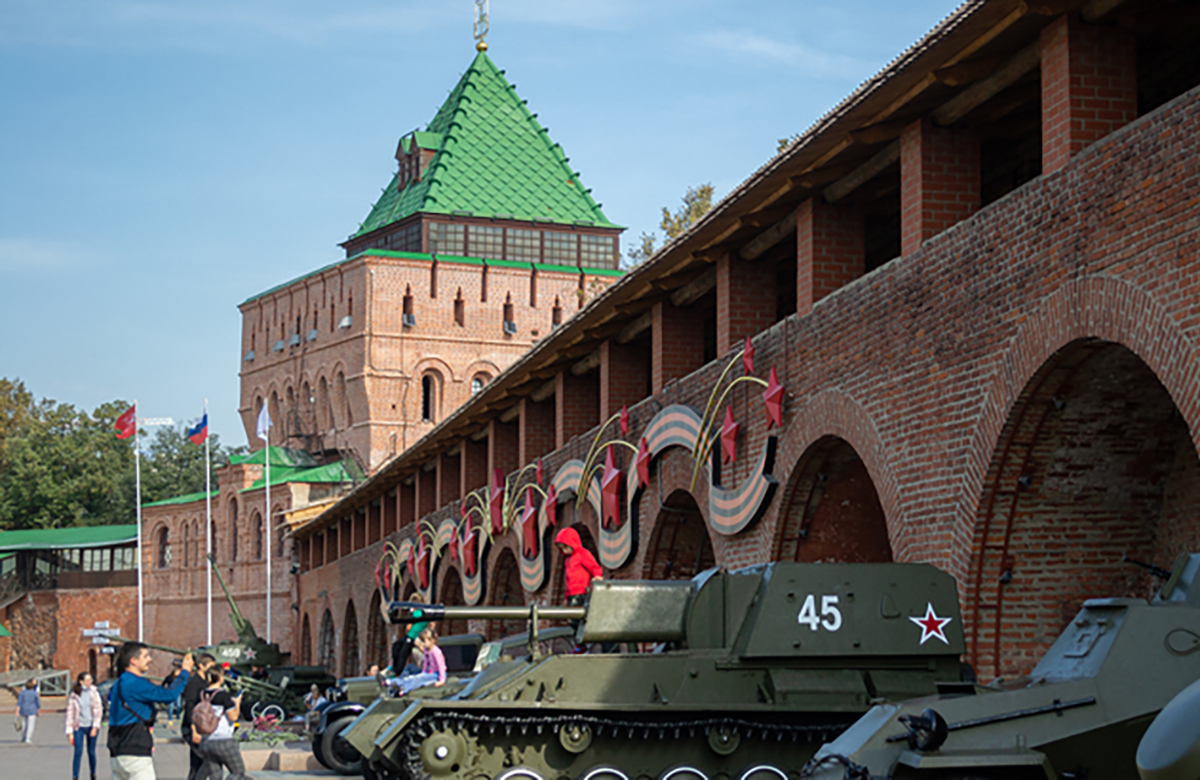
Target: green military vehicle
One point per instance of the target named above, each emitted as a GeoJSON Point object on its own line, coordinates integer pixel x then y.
{"type": "Point", "coordinates": [1079, 714]}
{"type": "Point", "coordinates": [751, 671]}
{"type": "Point", "coordinates": [466, 655]}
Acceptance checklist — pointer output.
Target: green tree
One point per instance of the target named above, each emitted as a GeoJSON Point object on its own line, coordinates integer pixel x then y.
{"type": "Point", "coordinates": [60, 466]}
{"type": "Point", "coordinates": [696, 203]}
{"type": "Point", "coordinates": [173, 466]}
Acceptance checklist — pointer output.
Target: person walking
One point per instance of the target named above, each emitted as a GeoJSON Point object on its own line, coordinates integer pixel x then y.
{"type": "Point", "coordinates": [28, 706]}
{"type": "Point", "coordinates": [191, 694]}
{"type": "Point", "coordinates": [84, 713]}
{"type": "Point", "coordinates": [131, 711]}
{"type": "Point", "coordinates": [219, 748]}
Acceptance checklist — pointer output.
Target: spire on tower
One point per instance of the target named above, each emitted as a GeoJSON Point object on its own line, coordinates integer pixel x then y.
{"type": "Point", "coordinates": [481, 24]}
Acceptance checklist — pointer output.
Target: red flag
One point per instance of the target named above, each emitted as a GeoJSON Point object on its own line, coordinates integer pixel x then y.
{"type": "Point", "coordinates": [126, 424]}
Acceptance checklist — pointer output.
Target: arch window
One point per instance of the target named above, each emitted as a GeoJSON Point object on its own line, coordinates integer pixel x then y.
{"type": "Point", "coordinates": [430, 396]}
{"type": "Point", "coordinates": [256, 523]}
{"type": "Point", "coordinates": [556, 317]}
{"type": "Point", "coordinates": [478, 382]}
{"type": "Point", "coordinates": [327, 642]}
{"type": "Point", "coordinates": [163, 559]}
{"type": "Point", "coordinates": [460, 310]}
{"type": "Point", "coordinates": [187, 546]}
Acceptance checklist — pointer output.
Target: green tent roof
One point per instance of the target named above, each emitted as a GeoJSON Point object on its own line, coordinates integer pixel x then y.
{"type": "Point", "coordinates": [493, 159]}
{"type": "Point", "coordinates": [4, 631]}
{"type": "Point", "coordinates": [65, 538]}
{"type": "Point", "coordinates": [332, 473]}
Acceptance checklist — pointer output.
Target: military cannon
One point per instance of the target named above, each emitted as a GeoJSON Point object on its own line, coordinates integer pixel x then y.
{"type": "Point", "coordinates": [1080, 713]}
{"type": "Point", "coordinates": [751, 671]}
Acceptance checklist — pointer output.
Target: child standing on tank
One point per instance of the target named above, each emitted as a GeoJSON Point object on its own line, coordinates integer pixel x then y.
{"type": "Point", "coordinates": [579, 569]}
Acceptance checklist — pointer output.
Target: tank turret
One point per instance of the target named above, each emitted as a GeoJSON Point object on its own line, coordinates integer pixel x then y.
{"type": "Point", "coordinates": [752, 668]}
{"type": "Point", "coordinates": [1080, 713]}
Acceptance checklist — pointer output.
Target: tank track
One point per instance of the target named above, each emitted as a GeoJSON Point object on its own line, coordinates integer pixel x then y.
{"type": "Point", "coordinates": [429, 723]}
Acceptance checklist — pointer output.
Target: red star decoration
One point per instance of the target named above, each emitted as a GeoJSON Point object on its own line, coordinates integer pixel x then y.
{"type": "Point", "coordinates": [496, 501]}
{"type": "Point", "coordinates": [470, 556]}
{"type": "Point", "coordinates": [539, 473]}
{"type": "Point", "coordinates": [773, 398]}
{"type": "Point", "coordinates": [423, 568]}
{"type": "Point", "coordinates": [932, 625]}
{"type": "Point", "coordinates": [552, 506]}
{"type": "Point", "coordinates": [748, 357]}
{"type": "Point", "coordinates": [378, 581]}
{"type": "Point", "coordinates": [624, 420]}
{"type": "Point", "coordinates": [412, 572]}
{"type": "Point", "coordinates": [453, 544]}
{"type": "Point", "coordinates": [643, 463]}
{"type": "Point", "coordinates": [387, 578]}
{"type": "Point", "coordinates": [729, 432]}
{"type": "Point", "coordinates": [610, 491]}
{"type": "Point", "coordinates": [529, 534]}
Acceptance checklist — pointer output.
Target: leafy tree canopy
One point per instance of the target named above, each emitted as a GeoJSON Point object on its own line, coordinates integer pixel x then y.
{"type": "Point", "coordinates": [696, 203]}
{"type": "Point", "coordinates": [61, 466]}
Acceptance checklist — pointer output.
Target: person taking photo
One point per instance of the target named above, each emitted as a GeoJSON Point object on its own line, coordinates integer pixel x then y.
{"type": "Point", "coordinates": [131, 711]}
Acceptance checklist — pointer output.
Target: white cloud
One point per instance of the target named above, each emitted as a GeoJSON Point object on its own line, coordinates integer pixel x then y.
{"type": "Point", "coordinates": [34, 254]}
{"type": "Point", "coordinates": [760, 49]}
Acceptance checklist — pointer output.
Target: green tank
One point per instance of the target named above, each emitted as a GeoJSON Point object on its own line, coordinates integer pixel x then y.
{"type": "Point", "coordinates": [744, 675]}
{"type": "Point", "coordinates": [1080, 713]}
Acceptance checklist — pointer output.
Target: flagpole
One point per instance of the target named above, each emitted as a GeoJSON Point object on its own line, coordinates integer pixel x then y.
{"type": "Point", "coordinates": [267, 484]}
{"type": "Point", "coordinates": [137, 480]}
{"type": "Point", "coordinates": [208, 520]}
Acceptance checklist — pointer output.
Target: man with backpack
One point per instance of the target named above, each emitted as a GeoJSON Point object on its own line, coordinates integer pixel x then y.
{"type": "Point", "coordinates": [131, 712]}
{"type": "Point", "coordinates": [191, 694]}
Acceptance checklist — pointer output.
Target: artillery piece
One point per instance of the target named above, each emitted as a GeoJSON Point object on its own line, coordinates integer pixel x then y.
{"type": "Point", "coordinates": [753, 670]}
{"type": "Point", "coordinates": [284, 686]}
{"type": "Point", "coordinates": [1079, 714]}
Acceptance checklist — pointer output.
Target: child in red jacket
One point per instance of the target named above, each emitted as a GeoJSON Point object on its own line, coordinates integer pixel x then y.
{"type": "Point", "coordinates": [579, 565]}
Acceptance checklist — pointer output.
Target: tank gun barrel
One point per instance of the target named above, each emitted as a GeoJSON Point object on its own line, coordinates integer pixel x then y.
{"type": "Point", "coordinates": [412, 612]}
{"type": "Point", "coordinates": [1157, 571]}
{"type": "Point", "coordinates": [244, 629]}
{"type": "Point", "coordinates": [120, 640]}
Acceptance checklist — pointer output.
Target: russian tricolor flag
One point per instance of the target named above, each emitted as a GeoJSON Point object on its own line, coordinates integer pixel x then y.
{"type": "Point", "coordinates": [199, 432]}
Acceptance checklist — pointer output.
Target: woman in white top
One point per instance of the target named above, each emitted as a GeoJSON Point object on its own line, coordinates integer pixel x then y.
{"type": "Point", "coordinates": [84, 713]}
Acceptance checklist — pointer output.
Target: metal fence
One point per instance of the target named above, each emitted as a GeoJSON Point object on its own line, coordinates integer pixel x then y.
{"type": "Point", "coordinates": [51, 682]}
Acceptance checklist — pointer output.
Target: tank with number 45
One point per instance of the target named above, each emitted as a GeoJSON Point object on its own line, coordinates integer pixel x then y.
{"type": "Point", "coordinates": [1080, 713]}
{"type": "Point", "coordinates": [751, 670]}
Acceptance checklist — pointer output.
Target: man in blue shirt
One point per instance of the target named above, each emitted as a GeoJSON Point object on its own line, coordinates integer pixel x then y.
{"type": "Point", "coordinates": [131, 712]}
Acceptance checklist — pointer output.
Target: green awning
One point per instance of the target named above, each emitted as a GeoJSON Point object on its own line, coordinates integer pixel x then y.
{"type": "Point", "coordinates": [68, 538]}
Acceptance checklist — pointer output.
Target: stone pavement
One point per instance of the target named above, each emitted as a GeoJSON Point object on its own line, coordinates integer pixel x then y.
{"type": "Point", "coordinates": [50, 754]}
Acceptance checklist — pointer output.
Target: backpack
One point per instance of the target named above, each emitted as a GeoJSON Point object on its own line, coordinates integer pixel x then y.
{"type": "Point", "coordinates": [204, 718]}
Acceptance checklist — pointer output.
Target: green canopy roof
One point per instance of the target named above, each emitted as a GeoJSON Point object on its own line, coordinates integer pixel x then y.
{"type": "Point", "coordinates": [4, 631]}
{"type": "Point", "coordinates": [65, 538]}
{"type": "Point", "coordinates": [332, 473]}
{"type": "Point", "coordinates": [493, 159]}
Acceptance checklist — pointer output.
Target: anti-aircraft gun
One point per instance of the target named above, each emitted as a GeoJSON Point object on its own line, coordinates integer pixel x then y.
{"type": "Point", "coordinates": [1079, 714]}
{"type": "Point", "coordinates": [250, 649]}
{"type": "Point", "coordinates": [752, 670]}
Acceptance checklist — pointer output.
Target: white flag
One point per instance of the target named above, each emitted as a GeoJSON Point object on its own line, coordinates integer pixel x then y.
{"type": "Point", "coordinates": [264, 423]}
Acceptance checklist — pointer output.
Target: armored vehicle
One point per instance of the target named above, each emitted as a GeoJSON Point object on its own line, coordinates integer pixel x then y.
{"type": "Point", "coordinates": [1079, 714]}
{"type": "Point", "coordinates": [466, 655]}
{"type": "Point", "coordinates": [750, 672]}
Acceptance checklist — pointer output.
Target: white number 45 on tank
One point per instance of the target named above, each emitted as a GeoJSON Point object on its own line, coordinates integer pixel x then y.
{"type": "Point", "coordinates": [830, 618]}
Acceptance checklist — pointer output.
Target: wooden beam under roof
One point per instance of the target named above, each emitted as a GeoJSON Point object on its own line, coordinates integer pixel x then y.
{"type": "Point", "coordinates": [769, 238]}
{"type": "Point", "coordinates": [589, 363]}
{"type": "Point", "coordinates": [510, 414]}
{"type": "Point", "coordinates": [865, 172]}
{"type": "Point", "coordinates": [636, 328]}
{"type": "Point", "coordinates": [544, 392]}
{"type": "Point", "coordinates": [695, 289]}
{"type": "Point", "coordinates": [979, 93]}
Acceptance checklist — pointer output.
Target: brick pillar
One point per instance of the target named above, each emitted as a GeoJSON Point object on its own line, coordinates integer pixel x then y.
{"type": "Point", "coordinates": [1089, 86]}
{"type": "Point", "coordinates": [503, 446]}
{"type": "Point", "coordinates": [448, 478]}
{"type": "Point", "coordinates": [830, 250]}
{"type": "Point", "coordinates": [473, 472]}
{"type": "Point", "coordinates": [576, 405]}
{"type": "Point", "coordinates": [374, 522]}
{"type": "Point", "coordinates": [745, 300]}
{"type": "Point", "coordinates": [536, 433]}
{"type": "Point", "coordinates": [624, 375]}
{"type": "Point", "coordinates": [677, 344]}
{"type": "Point", "coordinates": [939, 181]}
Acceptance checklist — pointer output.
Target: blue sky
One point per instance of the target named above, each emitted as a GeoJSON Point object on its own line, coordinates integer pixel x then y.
{"type": "Point", "coordinates": [163, 161]}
